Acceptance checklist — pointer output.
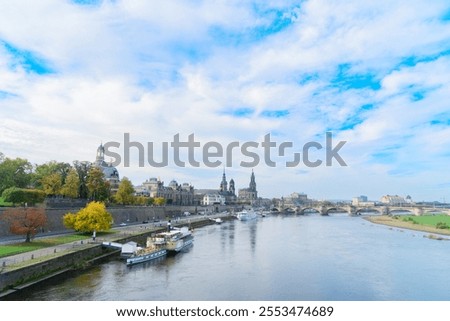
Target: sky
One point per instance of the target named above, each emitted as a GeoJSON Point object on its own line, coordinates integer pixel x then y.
{"type": "Point", "coordinates": [373, 74]}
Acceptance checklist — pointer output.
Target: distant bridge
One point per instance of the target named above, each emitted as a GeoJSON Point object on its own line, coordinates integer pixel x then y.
{"type": "Point", "coordinates": [358, 210]}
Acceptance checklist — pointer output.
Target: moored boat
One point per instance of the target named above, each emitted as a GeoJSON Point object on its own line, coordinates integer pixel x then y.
{"type": "Point", "coordinates": [152, 251]}
{"type": "Point", "coordinates": [246, 215]}
{"type": "Point", "coordinates": [217, 220]}
{"type": "Point", "coordinates": [176, 239]}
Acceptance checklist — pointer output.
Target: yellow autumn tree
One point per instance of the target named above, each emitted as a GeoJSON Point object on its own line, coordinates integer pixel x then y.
{"type": "Point", "coordinates": [93, 217]}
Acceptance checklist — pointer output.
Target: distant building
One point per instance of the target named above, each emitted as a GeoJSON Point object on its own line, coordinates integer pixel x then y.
{"type": "Point", "coordinates": [393, 200]}
{"type": "Point", "coordinates": [213, 199]}
{"type": "Point", "coordinates": [227, 193]}
{"type": "Point", "coordinates": [110, 172]}
{"type": "Point", "coordinates": [174, 193]}
{"type": "Point", "coordinates": [358, 200]}
{"type": "Point", "coordinates": [250, 194]}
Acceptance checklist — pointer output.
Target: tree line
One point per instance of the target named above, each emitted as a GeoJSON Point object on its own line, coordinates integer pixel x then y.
{"type": "Point", "coordinates": [23, 183]}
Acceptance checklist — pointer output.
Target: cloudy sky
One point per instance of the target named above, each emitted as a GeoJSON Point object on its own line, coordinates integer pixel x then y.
{"type": "Point", "coordinates": [375, 74]}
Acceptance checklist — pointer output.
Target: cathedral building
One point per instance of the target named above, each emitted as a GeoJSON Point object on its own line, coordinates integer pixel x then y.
{"type": "Point", "coordinates": [250, 194]}
{"type": "Point", "coordinates": [229, 193]}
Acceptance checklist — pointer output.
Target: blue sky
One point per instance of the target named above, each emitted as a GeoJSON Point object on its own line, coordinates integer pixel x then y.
{"type": "Point", "coordinates": [375, 74]}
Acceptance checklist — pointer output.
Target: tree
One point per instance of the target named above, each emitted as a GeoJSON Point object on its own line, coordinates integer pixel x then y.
{"type": "Point", "coordinates": [125, 193]}
{"type": "Point", "coordinates": [14, 173]}
{"type": "Point", "coordinates": [98, 186]}
{"type": "Point", "coordinates": [47, 169]}
{"type": "Point", "coordinates": [71, 186]}
{"type": "Point", "coordinates": [51, 184]}
{"type": "Point", "coordinates": [141, 200]}
{"type": "Point", "coordinates": [159, 201]}
{"type": "Point", "coordinates": [93, 217]}
{"type": "Point", "coordinates": [82, 169]}
{"type": "Point", "coordinates": [23, 196]}
{"type": "Point", "coordinates": [25, 221]}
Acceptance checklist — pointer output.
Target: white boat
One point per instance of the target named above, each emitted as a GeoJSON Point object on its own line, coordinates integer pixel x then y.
{"type": "Point", "coordinates": [152, 251]}
{"type": "Point", "coordinates": [246, 215]}
{"type": "Point", "coordinates": [175, 240]}
{"type": "Point", "coordinates": [217, 220]}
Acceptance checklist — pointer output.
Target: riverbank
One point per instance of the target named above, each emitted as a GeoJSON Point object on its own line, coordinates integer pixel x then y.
{"type": "Point", "coordinates": [36, 268]}
{"type": "Point", "coordinates": [390, 221]}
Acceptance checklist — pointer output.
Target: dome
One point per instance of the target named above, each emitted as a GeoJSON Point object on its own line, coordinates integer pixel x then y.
{"type": "Point", "coordinates": [110, 172]}
{"type": "Point", "coordinates": [173, 183]}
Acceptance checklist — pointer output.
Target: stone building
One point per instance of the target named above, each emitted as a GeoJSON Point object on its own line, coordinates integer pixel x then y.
{"type": "Point", "coordinates": [174, 193]}
{"type": "Point", "coordinates": [250, 194]}
{"type": "Point", "coordinates": [393, 200]}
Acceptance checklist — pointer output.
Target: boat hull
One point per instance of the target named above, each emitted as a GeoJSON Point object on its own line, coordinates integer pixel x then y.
{"type": "Point", "coordinates": [146, 257]}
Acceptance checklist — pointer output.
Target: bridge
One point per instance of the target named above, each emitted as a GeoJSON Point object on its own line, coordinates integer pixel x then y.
{"type": "Point", "coordinates": [326, 209]}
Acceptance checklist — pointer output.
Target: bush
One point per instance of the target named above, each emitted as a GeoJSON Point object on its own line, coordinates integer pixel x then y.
{"type": "Point", "coordinates": [442, 225]}
{"type": "Point", "coordinates": [22, 195]}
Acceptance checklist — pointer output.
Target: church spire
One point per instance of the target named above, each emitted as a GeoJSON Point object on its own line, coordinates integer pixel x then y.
{"type": "Point", "coordinates": [252, 184]}
{"type": "Point", "coordinates": [224, 184]}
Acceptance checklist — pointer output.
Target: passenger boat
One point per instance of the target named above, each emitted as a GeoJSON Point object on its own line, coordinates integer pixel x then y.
{"type": "Point", "coordinates": [176, 239]}
{"type": "Point", "coordinates": [152, 251]}
{"type": "Point", "coordinates": [246, 215]}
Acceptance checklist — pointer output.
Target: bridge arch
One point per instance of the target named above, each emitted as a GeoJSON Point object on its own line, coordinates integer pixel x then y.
{"type": "Point", "coordinates": [309, 210]}
{"type": "Point", "coordinates": [331, 210]}
{"type": "Point", "coordinates": [371, 210]}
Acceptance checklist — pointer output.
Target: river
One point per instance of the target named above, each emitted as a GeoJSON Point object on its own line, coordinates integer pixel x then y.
{"type": "Point", "coordinates": [276, 258]}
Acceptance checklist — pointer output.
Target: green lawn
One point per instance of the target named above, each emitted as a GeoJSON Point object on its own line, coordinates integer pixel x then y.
{"type": "Point", "coordinates": [427, 220]}
{"type": "Point", "coordinates": [11, 249]}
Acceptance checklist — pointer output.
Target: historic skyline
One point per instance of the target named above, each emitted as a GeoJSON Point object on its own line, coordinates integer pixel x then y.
{"type": "Point", "coordinates": [376, 75]}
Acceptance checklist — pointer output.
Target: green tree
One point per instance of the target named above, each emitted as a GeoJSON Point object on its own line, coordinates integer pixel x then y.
{"type": "Point", "coordinates": [125, 193]}
{"type": "Point", "coordinates": [51, 184]}
{"type": "Point", "coordinates": [93, 217]}
{"type": "Point", "coordinates": [82, 169]}
{"type": "Point", "coordinates": [14, 173]}
{"type": "Point", "coordinates": [98, 186]}
{"type": "Point", "coordinates": [71, 185]}
{"type": "Point", "coordinates": [23, 196]}
{"type": "Point", "coordinates": [44, 170]}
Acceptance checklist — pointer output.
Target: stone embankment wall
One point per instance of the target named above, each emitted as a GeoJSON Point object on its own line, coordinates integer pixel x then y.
{"type": "Point", "coordinates": [127, 214]}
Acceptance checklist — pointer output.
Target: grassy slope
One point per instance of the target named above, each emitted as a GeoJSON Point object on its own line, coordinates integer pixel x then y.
{"type": "Point", "coordinates": [423, 223]}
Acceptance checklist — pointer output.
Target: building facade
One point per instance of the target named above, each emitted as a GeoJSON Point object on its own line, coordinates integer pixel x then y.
{"type": "Point", "coordinates": [174, 193]}
{"type": "Point", "coordinates": [393, 200]}
{"type": "Point", "coordinates": [213, 199]}
{"type": "Point", "coordinates": [250, 194]}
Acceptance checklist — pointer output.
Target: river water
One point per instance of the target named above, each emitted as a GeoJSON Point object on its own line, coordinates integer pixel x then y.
{"type": "Point", "coordinates": [276, 258]}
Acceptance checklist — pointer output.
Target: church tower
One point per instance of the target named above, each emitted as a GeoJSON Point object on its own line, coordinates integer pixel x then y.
{"type": "Point", "coordinates": [224, 184]}
{"type": "Point", "coordinates": [100, 158]}
{"type": "Point", "coordinates": [252, 185]}
{"type": "Point", "coordinates": [232, 189]}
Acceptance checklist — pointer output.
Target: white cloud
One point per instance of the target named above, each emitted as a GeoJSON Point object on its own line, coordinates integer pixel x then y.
{"type": "Point", "coordinates": [155, 69]}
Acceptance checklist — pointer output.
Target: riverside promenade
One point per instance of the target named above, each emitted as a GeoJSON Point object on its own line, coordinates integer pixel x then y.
{"type": "Point", "coordinates": [28, 260]}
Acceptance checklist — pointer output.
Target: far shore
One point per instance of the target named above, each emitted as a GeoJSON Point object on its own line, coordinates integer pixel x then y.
{"type": "Point", "coordinates": [389, 221]}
